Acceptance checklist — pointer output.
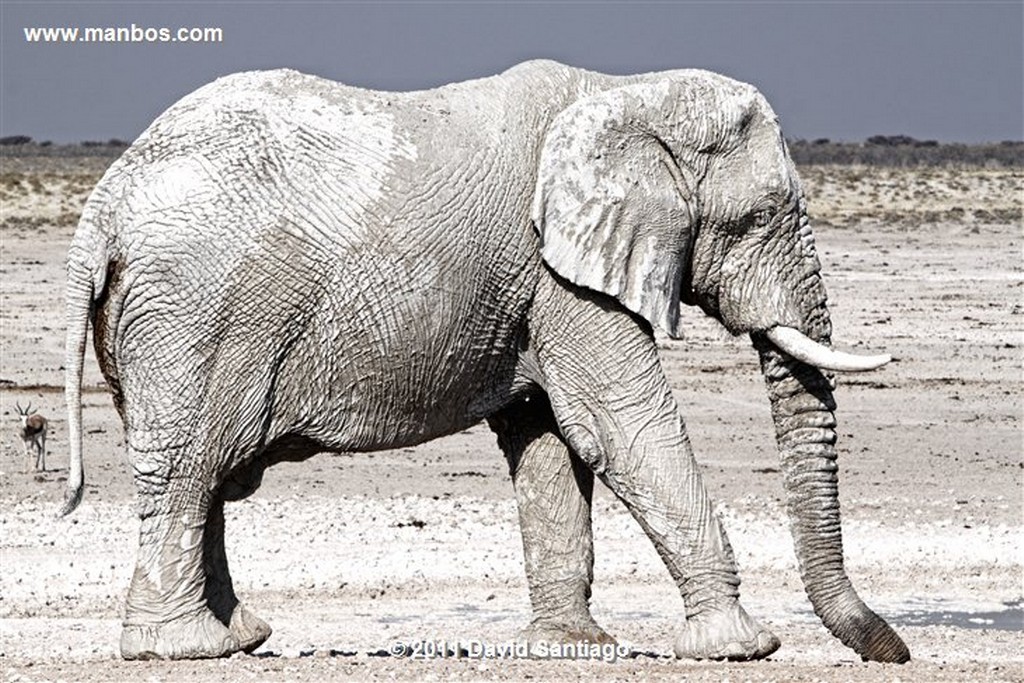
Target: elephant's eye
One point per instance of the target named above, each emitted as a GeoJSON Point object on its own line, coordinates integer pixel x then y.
{"type": "Point", "coordinates": [763, 217]}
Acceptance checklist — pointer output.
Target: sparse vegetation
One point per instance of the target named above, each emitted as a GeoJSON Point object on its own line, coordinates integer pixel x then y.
{"type": "Point", "coordinates": [24, 146]}
{"type": "Point", "coordinates": [903, 151]}
{"type": "Point", "coordinates": [847, 195]}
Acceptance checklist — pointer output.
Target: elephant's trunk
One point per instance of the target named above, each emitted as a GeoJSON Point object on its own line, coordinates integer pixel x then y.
{"type": "Point", "coordinates": [802, 408]}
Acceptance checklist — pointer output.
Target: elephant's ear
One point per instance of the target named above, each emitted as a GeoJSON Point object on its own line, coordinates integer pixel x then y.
{"type": "Point", "coordinates": [614, 207]}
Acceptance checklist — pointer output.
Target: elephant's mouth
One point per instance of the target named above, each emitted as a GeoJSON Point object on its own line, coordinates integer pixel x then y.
{"type": "Point", "coordinates": [804, 349]}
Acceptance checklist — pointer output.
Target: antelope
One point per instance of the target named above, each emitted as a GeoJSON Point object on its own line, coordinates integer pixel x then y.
{"type": "Point", "coordinates": [33, 433]}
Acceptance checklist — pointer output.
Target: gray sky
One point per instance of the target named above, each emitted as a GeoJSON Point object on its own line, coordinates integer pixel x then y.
{"type": "Point", "coordinates": [952, 71]}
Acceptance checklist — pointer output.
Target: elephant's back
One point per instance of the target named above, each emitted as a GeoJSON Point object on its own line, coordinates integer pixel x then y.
{"type": "Point", "coordinates": [264, 168]}
{"type": "Point", "coordinates": [309, 152]}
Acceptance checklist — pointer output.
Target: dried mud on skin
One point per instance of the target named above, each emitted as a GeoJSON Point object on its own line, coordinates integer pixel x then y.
{"type": "Point", "coordinates": [346, 556]}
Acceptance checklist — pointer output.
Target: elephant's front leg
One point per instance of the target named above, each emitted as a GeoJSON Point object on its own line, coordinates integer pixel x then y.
{"type": "Point", "coordinates": [248, 629]}
{"type": "Point", "coordinates": [615, 408]}
{"type": "Point", "coordinates": [553, 491]}
{"type": "Point", "coordinates": [166, 612]}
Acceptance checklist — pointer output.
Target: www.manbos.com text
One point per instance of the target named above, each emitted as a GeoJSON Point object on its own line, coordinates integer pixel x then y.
{"type": "Point", "coordinates": [123, 34]}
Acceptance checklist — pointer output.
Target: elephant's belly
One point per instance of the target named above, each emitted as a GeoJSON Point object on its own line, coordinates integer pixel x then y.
{"type": "Point", "coordinates": [373, 400]}
{"type": "Point", "coordinates": [384, 425]}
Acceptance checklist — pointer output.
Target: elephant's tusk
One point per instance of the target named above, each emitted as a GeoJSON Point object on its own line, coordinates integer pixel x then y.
{"type": "Point", "coordinates": [804, 349]}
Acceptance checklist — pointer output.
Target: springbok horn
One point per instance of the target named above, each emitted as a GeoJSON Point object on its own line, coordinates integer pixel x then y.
{"type": "Point", "coordinates": [806, 350]}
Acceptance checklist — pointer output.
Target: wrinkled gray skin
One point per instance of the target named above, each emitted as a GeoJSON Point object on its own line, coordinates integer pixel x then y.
{"type": "Point", "coordinates": [282, 265]}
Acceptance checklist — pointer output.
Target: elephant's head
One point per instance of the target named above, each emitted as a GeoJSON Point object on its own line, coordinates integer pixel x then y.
{"type": "Point", "coordinates": [680, 189]}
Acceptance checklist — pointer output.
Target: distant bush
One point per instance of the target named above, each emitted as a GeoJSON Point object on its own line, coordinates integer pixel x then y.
{"type": "Point", "coordinates": [897, 140]}
{"type": "Point", "coordinates": [905, 151]}
{"type": "Point", "coordinates": [112, 142]}
{"type": "Point", "coordinates": [889, 140]}
{"type": "Point", "coordinates": [15, 140]}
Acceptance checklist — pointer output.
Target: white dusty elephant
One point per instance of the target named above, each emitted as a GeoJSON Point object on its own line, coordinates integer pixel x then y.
{"type": "Point", "coordinates": [282, 265]}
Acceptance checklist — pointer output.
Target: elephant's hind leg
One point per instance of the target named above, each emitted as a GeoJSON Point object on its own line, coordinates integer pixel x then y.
{"type": "Point", "coordinates": [247, 628]}
{"type": "Point", "coordinates": [166, 612]}
{"type": "Point", "coordinates": [553, 491]}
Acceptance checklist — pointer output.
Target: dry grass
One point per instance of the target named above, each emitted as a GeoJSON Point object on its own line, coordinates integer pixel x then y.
{"type": "Point", "coordinates": [848, 195]}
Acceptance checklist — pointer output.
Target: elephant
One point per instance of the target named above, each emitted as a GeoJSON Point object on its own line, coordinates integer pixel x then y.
{"type": "Point", "coordinates": [282, 265]}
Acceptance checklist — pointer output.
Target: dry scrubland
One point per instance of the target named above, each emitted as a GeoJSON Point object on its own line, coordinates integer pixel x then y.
{"type": "Point", "coordinates": [346, 555]}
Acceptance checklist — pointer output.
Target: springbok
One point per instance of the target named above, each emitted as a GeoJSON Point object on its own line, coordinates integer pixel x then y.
{"type": "Point", "coordinates": [33, 433]}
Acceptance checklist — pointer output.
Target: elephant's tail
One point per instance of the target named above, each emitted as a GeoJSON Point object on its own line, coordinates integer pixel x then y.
{"type": "Point", "coordinates": [87, 272]}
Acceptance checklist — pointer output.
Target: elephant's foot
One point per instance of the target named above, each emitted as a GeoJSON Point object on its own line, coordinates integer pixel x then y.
{"type": "Point", "coordinates": [196, 636]}
{"type": "Point", "coordinates": [248, 629]}
{"type": "Point", "coordinates": [581, 630]}
{"type": "Point", "coordinates": [726, 633]}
